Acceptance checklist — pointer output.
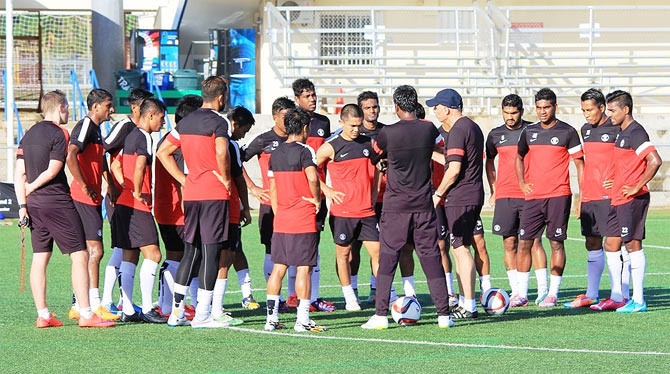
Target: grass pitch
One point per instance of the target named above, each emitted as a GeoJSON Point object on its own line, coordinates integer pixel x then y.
{"type": "Point", "coordinates": [526, 339]}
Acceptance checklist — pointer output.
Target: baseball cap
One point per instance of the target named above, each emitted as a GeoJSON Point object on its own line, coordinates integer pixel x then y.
{"type": "Point", "coordinates": [447, 97]}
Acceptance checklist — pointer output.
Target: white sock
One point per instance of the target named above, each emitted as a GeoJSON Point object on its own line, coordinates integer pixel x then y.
{"type": "Point", "coordinates": [75, 302]}
{"type": "Point", "coordinates": [94, 298]}
{"type": "Point", "coordinates": [193, 291]}
{"type": "Point", "coordinates": [541, 276]}
{"type": "Point", "coordinates": [485, 282]}
{"type": "Point", "coordinates": [470, 305]}
{"type": "Point", "coordinates": [316, 279]}
{"type": "Point", "coordinates": [522, 278]}
{"type": "Point", "coordinates": [408, 285]}
{"type": "Point", "coordinates": [179, 307]}
{"type": "Point", "coordinates": [625, 273]}
{"type": "Point", "coordinates": [638, 265]}
{"type": "Point", "coordinates": [595, 266]}
{"type": "Point", "coordinates": [303, 311]}
{"type": "Point", "coordinates": [461, 301]}
{"type": "Point", "coordinates": [111, 274]}
{"type": "Point", "coordinates": [394, 294]}
{"type": "Point", "coordinates": [272, 313]}
{"type": "Point", "coordinates": [44, 313]}
{"type": "Point", "coordinates": [354, 282]}
{"type": "Point", "coordinates": [204, 303]}
{"type": "Point", "coordinates": [167, 287]}
{"type": "Point", "coordinates": [217, 298]}
{"type": "Point", "coordinates": [127, 273]}
{"type": "Point", "coordinates": [147, 280]}
{"type": "Point", "coordinates": [244, 280]}
{"type": "Point", "coordinates": [292, 271]}
{"type": "Point", "coordinates": [267, 266]}
{"type": "Point", "coordinates": [85, 313]}
{"type": "Point", "coordinates": [555, 285]}
{"type": "Point", "coordinates": [450, 283]}
{"type": "Point", "coordinates": [511, 277]}
{"type": "Point", "coordinates": [373, 282]}
{"type": "Point", "coordinates": [614, 266]}
{"type": "Point", "coordinates": [349, 295]}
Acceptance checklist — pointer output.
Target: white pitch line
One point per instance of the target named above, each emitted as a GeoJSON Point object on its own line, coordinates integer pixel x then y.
{"type": "Point", "coordinates": [454, 345]}
{"type": "Point", "coordinates": [643, 245]}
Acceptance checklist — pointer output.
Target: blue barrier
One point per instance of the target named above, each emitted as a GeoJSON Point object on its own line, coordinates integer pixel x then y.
{"type": "Point", "coordinates": [19, 128]}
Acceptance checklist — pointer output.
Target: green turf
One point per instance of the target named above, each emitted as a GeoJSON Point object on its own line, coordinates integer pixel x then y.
{"type": "Point", "coordinates": [155, 348]}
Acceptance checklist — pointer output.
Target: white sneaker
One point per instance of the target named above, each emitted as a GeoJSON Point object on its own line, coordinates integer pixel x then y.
{"type": "Point", "coordinates": [311, 326]}
{"type": "Point", "coordinates": [376, 323]}
{"type": "Point", "coordinates": [272, 325]}
{"type": "Point", "coordinates": [444, 322]}
{"type": "Point", "coordinates": [175, 321]}
{"type": "Point", "coordinates": [352, 306]}
{"type": "Point", "coordinates": [209, 323]}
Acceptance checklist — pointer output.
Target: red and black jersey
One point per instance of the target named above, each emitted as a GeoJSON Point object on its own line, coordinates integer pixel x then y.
{"type": "Point", "coordinates": [630, 150]}
{"type": "Point", "coordinates": [167, 201]}
{"type": "Point", "coordinates": [113, 143]}
{"type": "Point", "coordinates": [350, 173]}
{"type": "Point", "coordinates": [547, 155]}
{"type": "Point", "coordinates": [465, 144]}
{"type": "Point", "coordinates": [319, 131]}
{"type": "Point", "coordinates": [288, 162]}
{"type": "Point", "coordinates": [87, 137]}
{"type": "Point", "coordinates": [235, 172]}
{"type": "Point", "coordinates": [502, 142]}
{"type": "Point", "coordinates": [196, 137]}
{"type": "Point", "coordinates": [262, 146]}
{"type": "Point", "coordinates": [43, 142]}
{"type": "Point", "coordinates": [138, 143]}
{"type": "Point", "coordinates": [598, 160]}
{"type": "Point", "coordinates": [409, 147]}
{"type": "Point", "coordinates": [438, 169]}
{"type": "Point", "coordinates": [373, 134]}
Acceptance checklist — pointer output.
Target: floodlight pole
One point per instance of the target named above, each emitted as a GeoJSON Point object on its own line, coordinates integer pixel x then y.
{"type": "Point", "coordinates": [9, 99]}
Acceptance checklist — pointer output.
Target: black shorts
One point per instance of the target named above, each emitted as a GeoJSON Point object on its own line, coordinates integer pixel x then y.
{"type": "Point", "coordinates": [321, 216]}
{"type": "Point", "coordinates": [552, 212]}
{"type": "Point", "coordinates": [346, 230]}
{"type": "Point", "coordinates": [594, 218]}
{"type": "Point", "coordinates": [442, 226]}
{"type": "Point", "coordinates": [61, 224]}
{"type": "Point", "coordinates": [631, 218]}
{"type": "Point", "coordinates": [172, 236]}
{"type": "Point", "coordinates": [295, 249]}
{"type": "Point", "coordinates": [234, 237]}
{"type": "Point", "coordinates": [266, 223]}
{"type": "Point", "coordinates": [133, 228]}
{"type": "Point", "coordinates": [397, 229]}
{"type": "Point", "coordinates": [462, 222]}
{"type": "Point", "coordinates": [91, 219]}
{"type": "Point", "coordinates": [506, 216]}
{"type": "Point", "coordinates": [206, 221]}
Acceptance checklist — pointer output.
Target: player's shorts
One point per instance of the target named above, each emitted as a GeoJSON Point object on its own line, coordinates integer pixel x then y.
{"type": "Point", "coordinates": [172, 237]}
{"type": "Point", "coordinates": [61, 224]}
{"type": "Point", "coordinates": [442, 226]}
{"type": "Point", "coordinates": [206, 221]}
{"type": "Point", "coordinates": [552, 213]}
{"type": "Point", "coordinates": [133, 228]}
{"type": "Point", "coordinates": [631, 218]}
{"type": "Point", "coordinates": [91, 219]}
{"type": "Point", "coordinates": [594, 218]}
{"type": "Point", "coordinates": [234, 237]}
{"type": "Point", "coordinates": [321, 216]}
{"type": "Point", "coordinates": [346, 230]}
{"type": "Point", "coordinates": [266, 223]}
{"type": "Point", "coordinates": [295, 249]}
{"type": "Point", "coordinates": [397, 229]}
{"type": "Point", "coordinates": [506, 216]}
{"type": "Point", "coordinates": [462, 222]}
{"type": "Point", "coordinates": [378, 210]}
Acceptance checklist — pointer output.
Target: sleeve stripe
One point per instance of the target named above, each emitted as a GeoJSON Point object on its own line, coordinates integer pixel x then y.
{"type": "Point", "coordinates": [147, 137]}
{"type": "Point", "coordinates": [643, 147]}
{"type": "Point", "coordinates": [311, 150]}
{"type": "Point", "coordinates": [83, 130]}
{"type": "Point", "coordinates": [116, 130]}
{"type": "Point", "coordinates": [456, 151]}
{"type": "Point", "coordinates": [575, 149]}
{"type": "Point", "coordinates": [175, 134]}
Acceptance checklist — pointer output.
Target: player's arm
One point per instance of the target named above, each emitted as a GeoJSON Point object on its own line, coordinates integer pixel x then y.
{"type": "Point", "coordinates": [579, 164]}
{"type": "Point", "coordinates": [117, 171]}
{"type": "Point", "coordinates": [313, 181]}
{"type": "Point", "coordinates": [273, 194]}
{"type": "Point", "coordinates": [324, 154]}
{"type": "Point", "coordinates": [244, 199]}
{"type": "Point", "coordinates": [522, 151]}
{"type": "Point", "coordinates": [654, 162]}
{"type": "Point", "coordinates": [46, 176]}
{"type": "Point", "coordinates": [490, 166]}
{"type": "Point", "coordinates": [164, 155]}
{"type": "Point", "coordinates": [376, 184]}
{"type": "Point", "coordinates": [112, 191]}
{"type": "Point", "coordinates": [259, 193]}
{"type": "Point", "coordinates": [448, 180]}
{"type": "Point", "coordinates": [138, 179]}
{"type": "Point", "coordinates": [438, 157]}
{"type": "Point", "coordinates": [223, 161]}
{"type": "Point", "coordinates": [20, 187]}
{"type": "Point", "coordinates": [73, 165]}
{"type": "Point", "coordinates": [255, 148]}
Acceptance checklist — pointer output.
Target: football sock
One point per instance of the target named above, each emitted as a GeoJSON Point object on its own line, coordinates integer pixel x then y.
{"type": "Point", "coordinates": [217, 298]}
{"type": "Point", "coordinates": [273, 308]}
{"type": "Point", "coordinates": [595, 266]}
{"type": "Point", "coordinates": [470, 305]}
{"type": "Point", "coordinates": [450, 283]}
{"type": "Point", "coordinates": [94, 298]}
{"type": "Point", "coordinates": [461, 301]}
{"type": "Point", "coordinates": [147, 280]}
{"type": "Point", "coordinates": [393, 294]}
{"type": "Point", "coordinates": [75, 302]}
{"type": "Point", "coordinates": [167, 285]}
{"type": "Point", "coordinates": [373, 282]}
{"type": "Point", "coordinates": [85, 313]}
{"type": "Point", "coordinates": [638, 264]}
{"type": "Point", "coordinates": [354, 282]}
{"type": "Point", "coordinates": [522, 279]}
{"type": "Point", "coordinates": [193, 291]}
{"type": "Point", "coordinates": [179, 296]}
{"type": "Point", "coordinates": [127, 275]}
{"type": "Point", "coordinates": [614, 266]}
{"type": "Point", "coordinates": [292, 271]}
{"type": "Point", "coordinates": [541, 276]}
{"type": "Point", "coordinates": [244, 280]}
{"type": "Point", "coordinates": [625, 273]}
{"type": "Point", "coordinates": [44, 313]}
{"type": "Point", "coordinates": [511, 277]}
{"type": "Point", "coordinates": [485, 282]}
{"type": "Point", "coordinates": [267, 266]}
{"type": "Point", "coordinates": [204, 303]}
{"type": "Point", "coordinates": [316, 279]}
{"type": "Point", "coordinates": [555, 285]}
{"type": "Point", "coordinates": [303, 311]}
{"type": "Point", "coordinates": [349, 295]}
{"type": "Point", "coordinates": [111, 273]}
{"type": "Point", "coordinates": [408, 285]}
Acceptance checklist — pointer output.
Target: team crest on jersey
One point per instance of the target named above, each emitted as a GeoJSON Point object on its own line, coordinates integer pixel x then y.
{"type": "Point", "coordinates": [496, 228]}
{"type": "Point", "coordinates": [624, 231]}
{"type": "Point", "coordinates": [366, 153]}
{"type": "Point", "coordinates": [343, 236]}
{"type": "Point", "coordinates": [320, 132]}
{"type": "Point", "coordinates": [554, 140]}
{"type": "Point", "coordinates": [604, 137]}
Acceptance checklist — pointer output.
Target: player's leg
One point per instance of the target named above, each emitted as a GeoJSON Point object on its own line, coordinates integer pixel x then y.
{"type": "Point", "coordinates": [632, 217]}
{"type": "Point", "coordinates": [531, 226]}
{"type": "Point", "coordinates": [152, 257]}
{"type": "Point", "coordinates": [407, 269]}
{"type": "Point", "coordinates": [244, 279]}
{"type": "Point", "coordinates": [304, 256]}
{"type": "Point", "coordinates": [355, 264]}
{"type": "Point", "coordinates": [38, 286]}
{"type": "Point", "coordinates": [231, 247]}
{"type": "Point", "coordinates": [557, 214]}
{"type": "Point", "coordinates": [482, 262]}
{"type": "Point", "coordinates": [188, 266]}
{"type": "Point", "coordinates": [462, 222]}
{"type": "Point", "coordinates": [539, 261]}
{"type": "Point", "coordinates": [113, 266]}
{"type": "Point", "coordinates": [318, 303]}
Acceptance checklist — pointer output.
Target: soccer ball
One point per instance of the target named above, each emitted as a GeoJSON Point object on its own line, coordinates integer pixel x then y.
{"type": "Point", "coordinates": [495, 301]}
{"type": "Point", "coordinates": [406, 311]}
